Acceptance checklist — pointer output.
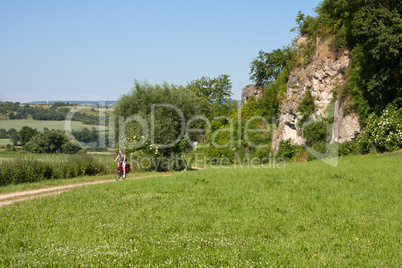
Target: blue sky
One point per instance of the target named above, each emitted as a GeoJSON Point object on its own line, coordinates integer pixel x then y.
{"type": "Point", "coordinates": [94, 50]}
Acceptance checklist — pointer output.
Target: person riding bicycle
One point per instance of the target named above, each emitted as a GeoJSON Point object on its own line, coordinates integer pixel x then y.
{"type": "Point", "coordinates": [122, 161]}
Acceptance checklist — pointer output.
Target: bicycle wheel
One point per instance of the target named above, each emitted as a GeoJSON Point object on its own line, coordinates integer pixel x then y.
{"type": "Point", "coordinates": [117, 174]}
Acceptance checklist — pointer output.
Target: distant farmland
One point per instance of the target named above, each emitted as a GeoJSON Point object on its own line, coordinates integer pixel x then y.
{"type": "Point", "coordinates": [40, 125]}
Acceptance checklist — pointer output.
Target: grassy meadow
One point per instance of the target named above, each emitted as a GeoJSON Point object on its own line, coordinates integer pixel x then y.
{"type": "Point", "coordinates": [306, 214]}
{"type": "Point", "coordinates": [40, 125]}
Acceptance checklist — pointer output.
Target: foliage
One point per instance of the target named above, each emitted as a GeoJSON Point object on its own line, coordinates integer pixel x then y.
{"type": "Point", "coordinates": [145, 156]}
{"type": "Point", "coordinates": [349, 148]}
{"type": "Point", "coordinates": [26, 133]}
{"type": "Point", "coordinates": [86, 135]}
{"type": "Point", "coordinates": [267, 66]}
{"type": "Point", "coordinates": [269, 102]}
{"type": "Point", "coordinates": [251, 108]}
{"type": "Point", "coordinates": [141, 146]}
{"type": "Point", "coordinates": [306, 106]}
{"type": "Point", "coordinates": [168, 124]}
{"type": "Point", "coordinates": [213, 95]}
{"type": "Point", "coordinates": [214, 90]}
{"type": "Point", "coordinates": [50, 141]}
{"type": "Point", "coordinates": [16, 125]}
{"type": "Point", "coordinates": [27, 170]}
{"type": "Point", "coordinates": [57, 112]}
{"type": "Point", "coordinates": [287, 150]}
{"type": "Point", "coordinates": [14, 138]}
{"type": "Point", "coordinates": [3, 133]}
{"type": "Point", "coordinates": [382, 133]}
{"type": "Point", "coordinates": [271, 71]}
{"type": "Point", "coordinates": [315, 132]}
{"type": "Point", "coordinates": [372, 30]}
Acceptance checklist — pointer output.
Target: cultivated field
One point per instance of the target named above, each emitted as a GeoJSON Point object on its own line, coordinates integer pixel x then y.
{"type": "Point", "coordinates": [40, 125]}
{"type": "Point", "coordinates": [4, 142]}
{"type": "Point", "coordinates": [306, 214]}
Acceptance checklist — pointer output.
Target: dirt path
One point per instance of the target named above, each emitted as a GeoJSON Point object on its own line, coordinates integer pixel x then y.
{"type": "Point", "coordinates": [9, 198]}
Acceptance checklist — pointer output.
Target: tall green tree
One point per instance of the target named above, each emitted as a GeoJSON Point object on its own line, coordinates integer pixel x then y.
{"type": "Point", "coordinates": [214, 90]}
{"type": "Point", "coordinates": [213, 94]}
{"type": "Point", "coordinates": [26, 133]}
{"type": "Point", "coordinates": [165, 109]}
{"type": "Point", "coordinates": [266, 68]}
{"type": "Point", "coordinates": [50, 141]}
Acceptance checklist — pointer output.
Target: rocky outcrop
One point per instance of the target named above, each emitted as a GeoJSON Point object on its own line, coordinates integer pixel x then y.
{"type": "Point", "coordinates": [324, 76]}
{"type": "Point", "coordinates": [250, 91]}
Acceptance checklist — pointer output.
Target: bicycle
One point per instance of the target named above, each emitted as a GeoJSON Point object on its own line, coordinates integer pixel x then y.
{"type": "Point", "coordinates": [119, 172]}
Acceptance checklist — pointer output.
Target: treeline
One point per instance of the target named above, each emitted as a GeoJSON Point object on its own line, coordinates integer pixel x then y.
{"type": "Point", "coordinates": [61, 113]}
{"type": "Point", "coordinates": [26, 134]}
{"type": "Point", "coordinates": [7, 134]}
{"type": "Point", "coordinates": [14, 110]}
{"type": "Point", "coordinates": [55, 112]}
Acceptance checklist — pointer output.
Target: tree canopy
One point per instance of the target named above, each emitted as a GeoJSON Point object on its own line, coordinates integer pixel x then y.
{"type": "Point", "coordinates": [50, 141]}
{"type": "Point", "coordinates": [161, 107]}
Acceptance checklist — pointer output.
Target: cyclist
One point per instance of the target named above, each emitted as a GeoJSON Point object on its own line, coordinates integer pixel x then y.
{"type": "Point", "coordinates": [122, 161]}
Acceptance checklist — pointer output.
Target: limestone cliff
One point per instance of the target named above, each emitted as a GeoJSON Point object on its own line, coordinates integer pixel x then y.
{"type": "Point", "coordinates": [250, 91]}
{"type": "Point", "coordinates": [323, 75]}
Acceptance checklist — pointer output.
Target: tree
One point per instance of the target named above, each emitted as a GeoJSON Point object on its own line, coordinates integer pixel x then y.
{"type": "Point", "coordinates": [3, 134]}
{"type": "Point", "coordinates": [85, 135]}
{"type": "Point", "coordinates": [11, 131]}
{"type": "Point", "coordinates": [215, 90]}
{"type": "Point", "coordinates": [50, 141]}
{"type": "Point", "coordinates": [26, 133]}
{"type": "Point", "coordinates": [377, 70]}
{"type": "Point", "coordinates": [213, 93]}
{"type": "Point", "coordinates": [266, 68]}
{"type": "Point", "coordinates": [167, 123]}
{"type": "Point", "coordinates": [14, 138]}
{"type": "Point", "coordinates": [12, 116]}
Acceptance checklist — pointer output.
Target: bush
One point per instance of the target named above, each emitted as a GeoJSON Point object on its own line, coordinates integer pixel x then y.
{"type": "Point", "coordinates": [306, 106]}
{"type": "Point", "coordinates": [25, 170]}
{"type": "Point", "coordinates": [348, 148]}
{"type": "Point", "coordinates": [315, 132]}
{"type": "Point", "coordinates": [51, 141]}
{"type": "Point", "coordinates": [148, 157]}
{"type": "Point", "coordinates": [264, 154]}
{"type": "Point", "coordinates": [286, 150]}
{"type": "Point", "coordinates": [382, 133]}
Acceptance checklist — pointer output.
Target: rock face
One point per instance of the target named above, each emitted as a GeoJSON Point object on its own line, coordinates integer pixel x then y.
{"type": "Point", "coordinates": [323, 76]}
{"type": "Point", "coordinates": [250, 91]}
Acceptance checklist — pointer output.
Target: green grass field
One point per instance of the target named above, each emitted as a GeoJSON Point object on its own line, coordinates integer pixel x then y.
{"type": "Point", "coordinates": [306, 214]}
{"type": "Point", "coordinates": [4, 142]}
{"type": "Point", "coordinates": [40, 125]}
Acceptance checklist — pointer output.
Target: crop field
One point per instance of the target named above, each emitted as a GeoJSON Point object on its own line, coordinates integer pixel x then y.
{"type": "Point", "coordinates": [4, 142]}
{"type": "Point", "coordinates": [40, 125]}
{"type": "Point", "coordinates": [305, 214]}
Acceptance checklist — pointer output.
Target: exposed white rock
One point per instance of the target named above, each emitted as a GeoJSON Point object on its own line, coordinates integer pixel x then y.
{"type": "Point", "coordinates": [250, 91]}
{"type": "Point", "coordinates": [322, 76]}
